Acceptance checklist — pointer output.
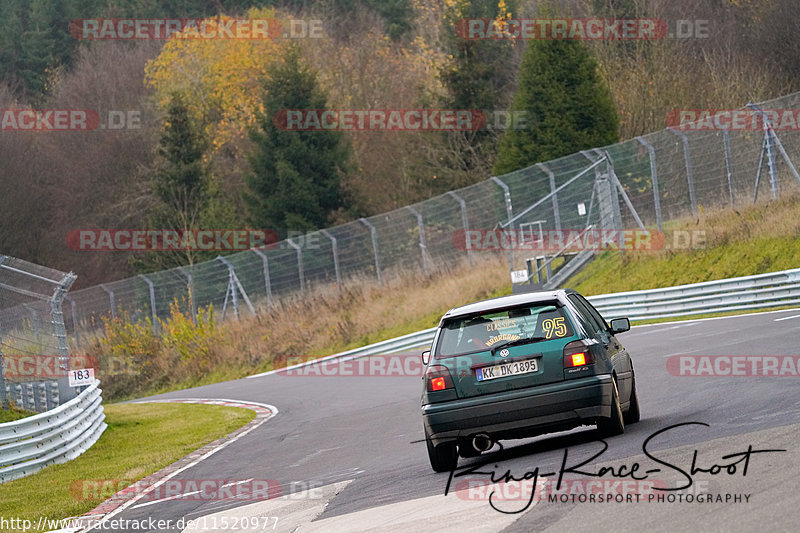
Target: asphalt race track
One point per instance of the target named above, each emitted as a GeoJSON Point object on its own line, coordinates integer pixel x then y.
{"type": "Point", "coordinates": [349, 455]}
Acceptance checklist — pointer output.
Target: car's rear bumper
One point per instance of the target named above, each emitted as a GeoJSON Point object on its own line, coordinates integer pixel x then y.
{"type": "Point", "coordinates": [519, 413]}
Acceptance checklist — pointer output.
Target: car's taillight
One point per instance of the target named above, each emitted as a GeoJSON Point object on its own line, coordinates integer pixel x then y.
{"type": "Point", "coordinates": [576, 353]}
{"type": "Point", "coordinates": [438, 378]}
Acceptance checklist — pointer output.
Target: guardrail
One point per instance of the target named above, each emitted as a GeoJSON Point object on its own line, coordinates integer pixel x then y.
{"type": "Point", "coordinates": [53, 437]}
{"type": "Point", "coordinates": [398, 344]}
{"type": "Point", "coordinates": [761, 291]}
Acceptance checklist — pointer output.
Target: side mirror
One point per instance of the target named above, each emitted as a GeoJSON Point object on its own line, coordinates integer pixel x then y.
{"type": "Point", "coordinates": [426, 356]}
{"type": "Point", "coordinates": [620, 325]}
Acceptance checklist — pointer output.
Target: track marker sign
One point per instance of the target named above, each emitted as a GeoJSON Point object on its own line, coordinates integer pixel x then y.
{"type": "Point", "coordinates": [80, 378]}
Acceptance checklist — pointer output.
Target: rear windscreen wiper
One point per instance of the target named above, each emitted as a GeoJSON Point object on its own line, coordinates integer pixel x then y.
{"type": "Point", "coordinates": [518, 342]}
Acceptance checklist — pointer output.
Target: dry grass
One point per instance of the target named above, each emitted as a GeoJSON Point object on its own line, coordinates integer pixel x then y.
{"type": "Point", "coordinates": [322, 322]}
{"type": "Point", "coordinates": [745, 241]}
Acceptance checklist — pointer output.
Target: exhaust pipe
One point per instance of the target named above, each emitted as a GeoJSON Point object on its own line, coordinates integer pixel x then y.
{"type": "Point", "coordinates": [482, 442]}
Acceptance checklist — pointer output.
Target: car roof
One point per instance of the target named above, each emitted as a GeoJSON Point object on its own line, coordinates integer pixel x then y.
{"type": "Point", "coordinates": [504, 302]}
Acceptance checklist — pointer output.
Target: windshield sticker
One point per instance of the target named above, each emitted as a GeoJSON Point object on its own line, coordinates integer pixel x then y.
{"type": "Point", "coordinates": [503, 337]}
{"type": "Point", "coordinates": [501, 324]}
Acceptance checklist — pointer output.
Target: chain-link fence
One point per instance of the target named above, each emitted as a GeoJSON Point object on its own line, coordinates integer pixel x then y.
{"type": "Point", "coordinates": [34, 352]}
{"type": "Point", "coordinates": [650, 180]}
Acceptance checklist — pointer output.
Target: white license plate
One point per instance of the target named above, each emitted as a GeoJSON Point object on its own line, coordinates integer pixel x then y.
{"type": "Point", "coordinates": [514, 368]}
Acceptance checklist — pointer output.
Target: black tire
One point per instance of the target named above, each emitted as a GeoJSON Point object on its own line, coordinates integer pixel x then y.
{"type": "Point", "coordinates": [444, 457]}
{"type": "Point", "coordinates": [633, 415]}
{"type": "Point", "coordinates": [614, 425]}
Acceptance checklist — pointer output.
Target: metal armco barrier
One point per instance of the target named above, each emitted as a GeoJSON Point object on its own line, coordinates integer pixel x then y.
{"type": "Point", "coordinates": [761, 291]}
{"type": "Point", "coordinates": [53, 437]}
{"type": "Point", "coordinates": [734, 294]}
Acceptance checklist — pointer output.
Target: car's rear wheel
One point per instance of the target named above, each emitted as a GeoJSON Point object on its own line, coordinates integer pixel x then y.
{"type": "Point", "coordinates": [444, 457]}
{"type": "Point", "coordinates": [615, 424]}
{"type": "Point", "coordinates": [633, 415]}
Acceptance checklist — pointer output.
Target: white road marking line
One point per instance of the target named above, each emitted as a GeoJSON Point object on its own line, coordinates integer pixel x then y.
{"type": "Point", "coordinates": [179, 496]}
{"type": "Point", "coordinates": [786, 318]}
{"type": "Point", "coordinates": [678, 326]}
{"type": "Point", "coordinates": [197, 461]}
{"type": "Point", "coordinates": [686, 352]}
{"type": "Point", "coordinates": [713, 318]}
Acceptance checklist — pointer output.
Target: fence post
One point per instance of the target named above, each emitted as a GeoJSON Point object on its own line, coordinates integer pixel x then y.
{"type": "Point", "coordinates": [35, 317]}
{"type": "Point", "coordinates": [111, 299]}
{"type": "Point", "coordinates": [726, 142]}
{"type": "Point", "coordinates": [464, 222]}
{"type": "Point", "coordinates": [554, 198]}
{"type": "Point", "coordinates": [509, 212]}
{"type": "Point", "coordinates": [687, 157]}
{"type": "Point", "coordinates": [233, 284]}
{"type": "Point", "coordinates": [769, 133]}
{"type": "Point", "coordinates": [74, 309]}
{"type": "Point", "coordinates": [374, 233]}
{"type": "Point", "coordinates": [615, 181]}
{"type": "Point", "coordinates": [758, 170]}
{"type": "Point", "coordinates": [153, 311]}
{"type": "Point", "coordinates": [506, 197]}
{"type": "Point", "coordinates": [190, 286]}
{"type": "Point", "coordinates": [784, 154]}
{"type": "Point", "coordinates": [335, 250]}
{"type": "Point", "coordinates": [3, 393]}
{"type": "Point", "coordinates": [654, 177]}
{"type": "Point", "coordinates": [423, 246]}
{"type": "Point", "coordinates": [773, 175]}
{"type": "Point", "coordinates": [299, 252]}
{"type": "Point", "coordinates": [267, 284]}
{"type": "Point", "coordinates": [60, 333]}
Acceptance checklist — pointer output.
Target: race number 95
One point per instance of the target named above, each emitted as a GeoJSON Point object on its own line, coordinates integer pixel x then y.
{"type": "Point", "coordinates": [554, 327]}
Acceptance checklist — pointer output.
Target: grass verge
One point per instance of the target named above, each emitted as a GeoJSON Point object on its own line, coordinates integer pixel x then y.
{"type": "Point", "coordinates": [13, 413]}
{"type": "Point", "coordinates": [140, 439]}
{"type": "Point", "coordinates": [754, 240]}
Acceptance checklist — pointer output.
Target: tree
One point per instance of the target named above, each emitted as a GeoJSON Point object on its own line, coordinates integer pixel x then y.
{"type": "Point", "coordinates": [295, 180]}
{"type": "Point", "coordinates": [567, 106]}
{"type": "Point", "coordinates": [181, 185]}
{"type": "Point", "coordinates": [478, 76]}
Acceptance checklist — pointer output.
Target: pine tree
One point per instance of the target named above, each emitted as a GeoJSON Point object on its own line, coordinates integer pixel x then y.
{"type": "Point", "coordinates": [181, 186]}
{"type": "Point", "coordinates": [567, 105]}
{"type": "Point", "coordinates": [295, 183]}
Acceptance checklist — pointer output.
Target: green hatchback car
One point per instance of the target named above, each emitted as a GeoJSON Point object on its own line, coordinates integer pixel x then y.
{"type": "Point", "coordinates": [520, 366]}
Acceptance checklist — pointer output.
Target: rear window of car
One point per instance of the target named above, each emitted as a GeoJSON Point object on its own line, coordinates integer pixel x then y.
{"type": "Point", "coordinates": [481, 332]}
